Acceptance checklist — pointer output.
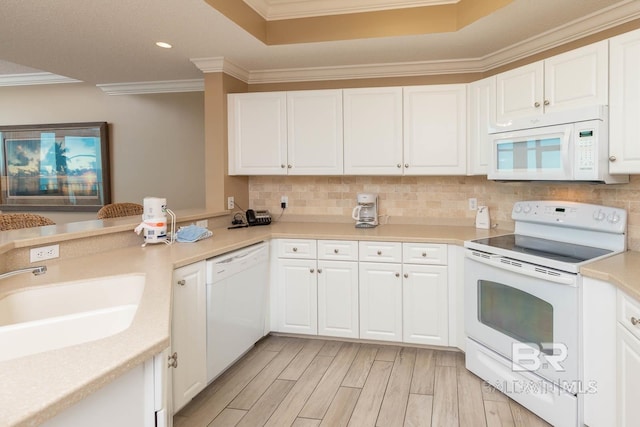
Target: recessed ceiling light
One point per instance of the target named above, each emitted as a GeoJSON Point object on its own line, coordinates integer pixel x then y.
{"type": "Point", "coordinates": [164, 45]}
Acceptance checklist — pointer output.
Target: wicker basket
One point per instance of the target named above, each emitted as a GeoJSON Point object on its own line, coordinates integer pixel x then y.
{"type": "Point", "coordinates": [14, 221]}
{"type": "Point", "coordinates": [116, 210]}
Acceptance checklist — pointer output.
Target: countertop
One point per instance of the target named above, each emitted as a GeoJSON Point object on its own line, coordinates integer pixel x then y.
{"type": "Point", "coordinates": [35, 388]}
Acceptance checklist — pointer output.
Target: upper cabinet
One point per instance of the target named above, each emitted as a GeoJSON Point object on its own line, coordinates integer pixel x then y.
{"type": "Point", "coordinates": [624, 107]}
{"type": "Point", "coordinates": [280, 133]}
{"type": "Point", "coordinates": [257, 133]}
{"type": "Point", "coordinates": [573, 79]}
{"type": "Point", "coordinates": [481, 117]}
{"type": "Point", "coordinates": [373, 131]}
{"type": "Point", "coordinates": [435, 126]}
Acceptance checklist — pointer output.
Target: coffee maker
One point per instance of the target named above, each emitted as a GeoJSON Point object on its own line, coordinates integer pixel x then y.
{"type": "Point", "coordinates": [366, 211]}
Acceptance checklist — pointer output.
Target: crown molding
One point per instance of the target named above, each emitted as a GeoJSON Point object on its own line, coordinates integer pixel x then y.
{"type": "Point", "coordinates": [165, 86]}
{"type": "Point", "coordinates": [221, 65]}
{"type": "Point", "coordinates": [27, 79]}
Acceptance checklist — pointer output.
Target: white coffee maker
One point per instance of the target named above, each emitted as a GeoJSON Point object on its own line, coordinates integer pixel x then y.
{"type": "Point", "coordinates": [366, 211]}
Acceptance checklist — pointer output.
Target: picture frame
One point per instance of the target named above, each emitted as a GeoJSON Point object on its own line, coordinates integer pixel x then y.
{"type": "Point", "coordinates": [55, 167]}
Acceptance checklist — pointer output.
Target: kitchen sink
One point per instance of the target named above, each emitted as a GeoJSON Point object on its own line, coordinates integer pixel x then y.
{"type": "Point", "coordinates": [45, 318]}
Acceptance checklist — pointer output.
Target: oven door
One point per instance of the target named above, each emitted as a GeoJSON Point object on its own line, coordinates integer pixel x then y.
{"type": "Point", "coordinates": [525, 313]}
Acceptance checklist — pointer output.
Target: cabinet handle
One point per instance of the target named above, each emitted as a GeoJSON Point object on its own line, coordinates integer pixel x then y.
{"type": "Point", "coordinates": [537, 104]}
{"type": "Point", "coordinates": [173, 360]}
{"type": "Point", "coordinates": [295, 249]}
{"type": "Point", "coordinates": [399, 165]}
{"type": "Point", "coordinates": [635, 321]}
{"type": "Point", "coordinates": [397, 274]}
{"type": "Point", "coordinates": [406, 275]}
{"type": "Point", "coordinates": [182, 282]}
{"type": "Point", "coordinates": [289, 166]}
{"type": "Point", "coordinates": [319, 271]}
{"type": "Point", "coordinates": [379, 252]}
{"type": "Point", "coordinates": [612, 158]}
{"type": "Point", "coordinates": [335, 251]}
{"type": "Point", "coordinates": [282, 166]}
{"type": "Point", "coordinates": [311, 270]}
{"type": "Point", "coordinates": [406, 165]}
{"type": "Point", "coordinates": [424, 254]}
{"type": "Point", "coordinates": [546, 102]}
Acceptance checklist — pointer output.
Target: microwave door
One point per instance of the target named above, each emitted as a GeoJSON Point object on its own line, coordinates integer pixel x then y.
{"type": "Point", "coordinates": [531, 155]}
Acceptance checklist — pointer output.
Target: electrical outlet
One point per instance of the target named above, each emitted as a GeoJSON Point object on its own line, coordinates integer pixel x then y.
{"type": "Point", "coordinates": [284, 202]}
{"type": "Point", "coordinates": [202, 223]}
{"type": "Point", "coordinates": [473, 204]}
{"type": "Point", "coordinates": [231, 203]}
{"type": "Point", "coordinates": [43, 253]}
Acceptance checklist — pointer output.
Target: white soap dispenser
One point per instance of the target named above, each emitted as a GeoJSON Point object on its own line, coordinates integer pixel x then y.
{"type": "Point", "coordinates": [482, 218]}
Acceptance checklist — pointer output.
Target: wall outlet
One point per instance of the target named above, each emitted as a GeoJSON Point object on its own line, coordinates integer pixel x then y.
{"type": "Point", "coordinates": [43, 253]}
{"type": "Point", "coordinates": [473, 204]}
{"type": "Point", "coordinates": [284, 202]}
{"type": "Point", "coordinates": [231, 203]}
{"type": "Point", "coordinates": [202, 223]}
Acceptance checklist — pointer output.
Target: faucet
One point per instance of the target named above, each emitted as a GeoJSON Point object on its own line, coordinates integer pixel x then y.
{"type": "Point", "coordinates": [35, 270]}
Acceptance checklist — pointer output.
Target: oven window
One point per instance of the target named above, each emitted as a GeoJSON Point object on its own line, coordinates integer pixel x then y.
{"type": "Point", "coordinates": [515, 313]}
{"type": "Point", "coordinates": [530, 155]}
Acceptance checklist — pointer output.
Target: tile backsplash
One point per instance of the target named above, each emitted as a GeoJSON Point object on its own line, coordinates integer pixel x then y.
{"type": "Point", "coordinates": [433, 199]}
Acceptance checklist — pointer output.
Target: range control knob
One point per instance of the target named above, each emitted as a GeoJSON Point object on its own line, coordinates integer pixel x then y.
{"type": "Point", "coordinates": [517, 208]}
{"type": "Point", "coordinates": [613, 218]}
{"type": "Point", "coordinates": [526, 209]}
{"type": "Point", "coordinates": [599, 215]}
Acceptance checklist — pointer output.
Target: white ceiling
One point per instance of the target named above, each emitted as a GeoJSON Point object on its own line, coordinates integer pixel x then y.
{"type": "Point", "coordinates": [103, 42]}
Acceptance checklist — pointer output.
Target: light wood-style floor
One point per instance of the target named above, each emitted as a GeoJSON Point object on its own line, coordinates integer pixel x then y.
{"type": "Point", "coordinates": [290, 381]}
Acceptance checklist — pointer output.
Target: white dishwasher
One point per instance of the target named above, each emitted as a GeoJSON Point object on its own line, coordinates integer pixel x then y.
{"type": "Point", "coordinates": [236, 303]}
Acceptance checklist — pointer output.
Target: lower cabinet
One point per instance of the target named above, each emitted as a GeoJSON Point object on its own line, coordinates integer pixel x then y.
{"type": "Point", "coordinates": [188, 359]}
{"type": "Point", "coordinates": [425, 304]}
{"type": "Point", "coordinates": [297, 294]}
{"type": "Point", "coordinates": [381, 301]}
{"type": "Point", "coordinates": [338, 299]}
{"type": "Point", "coordinates": [628, 363]}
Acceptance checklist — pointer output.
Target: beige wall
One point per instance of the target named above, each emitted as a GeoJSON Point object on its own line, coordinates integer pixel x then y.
{"type": "Point", "coordinates": [435, 200]}
{"type": "Point", "coordinates": [157, 140]}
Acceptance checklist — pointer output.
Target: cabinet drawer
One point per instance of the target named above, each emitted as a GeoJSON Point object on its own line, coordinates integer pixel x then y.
{"type": "Point", "coordinates": [424, 253]}
{"type": "Point", "coordinates": [381, 251]}
{"type": "Point", "coordinates": [629, 313]}
{"type": "Point", "coordinates": [344, 250]}
{"type": "Point", "coordinates": [297, 248]}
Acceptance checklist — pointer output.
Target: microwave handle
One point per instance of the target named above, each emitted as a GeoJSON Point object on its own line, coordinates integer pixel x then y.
{"type": "Point", "coordinates": [568, 151]}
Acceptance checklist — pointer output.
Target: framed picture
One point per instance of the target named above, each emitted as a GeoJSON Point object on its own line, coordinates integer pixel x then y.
{"type": "Point", "coordinates": [54, 167]}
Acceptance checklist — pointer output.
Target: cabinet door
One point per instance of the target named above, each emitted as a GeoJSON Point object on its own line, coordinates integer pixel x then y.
{"type": "Point", "coordinates": [519, 92]}
{"type": "Point", "coordinates": [481, 119]}
{"type": "Point", "coordinates": [425, 304]}
{"type": "Point", "coordinates": [380, 301]}
{"type": "Point", "coordinates": [188, 333]}
{"type": "Point", "coordinates": [257, 125]}
{"type": "Point", "coordinates": [435, 139]}
{"type": "Point", "coordinates": [628, 374]}
{"type": "Point", "coordinates": [624, 107]}
{"type": "Point", "coordinates": [297, 296]}
{"type": "Point", "coordinates": [314, 129]}
{"type": "Point", "coordinates": [338, 299]}
{"type": "Point", "coordinates": [577, 78]}
{"type": "Point", "coordinates": [373, 131]}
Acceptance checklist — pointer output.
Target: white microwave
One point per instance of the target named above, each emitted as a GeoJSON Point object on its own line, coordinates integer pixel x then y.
{"type": "Point", "coordinates": [565, 146]}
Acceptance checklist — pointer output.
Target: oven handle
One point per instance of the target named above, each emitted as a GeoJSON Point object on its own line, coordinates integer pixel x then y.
{"type": "Point", "coordinates": [504, 263]}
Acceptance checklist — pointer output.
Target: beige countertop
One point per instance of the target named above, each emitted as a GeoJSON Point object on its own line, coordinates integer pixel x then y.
{"type": "Point", "coordinates": [621, 270]}
{"type": "Point", "coordinates": [36, 387]}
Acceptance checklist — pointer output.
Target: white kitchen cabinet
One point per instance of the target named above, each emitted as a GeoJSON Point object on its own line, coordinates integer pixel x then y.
{"type": "Point", "coordinates": [624, 106]}
{"type": "Point", "coordinates": [314, 132]}
{"type": "Point", "coordinates": [373, 131]}
{"type": "Point", "coordinates": [338, 314]}
{"type": "Point", "coordinates": [435, 126]}
{"type": "Point", "coordinates": [570, 80]}
{"type": "Point", "coordinates": [296, 306]}
{"type": "Point", "coordinates": [380, 291]}
{"type": "Point", "coordinates": [628, 366]}
{"type": "Point", "coordinates": [481, 118]}
{"type": "Point", "coordinates": [135, 399]}
{"type": "Point", "coordinates": [425, 294]}
{"type": "Point", "coordinates": [188, 333]}
{"type": "Point", "coordinates": [280, 133]}
{"type": "Point", "coordinates": [257, 126]}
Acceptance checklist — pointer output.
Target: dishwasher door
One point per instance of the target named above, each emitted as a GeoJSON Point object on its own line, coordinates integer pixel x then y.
{"type": "Point", "coordinates": [236, 303]}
